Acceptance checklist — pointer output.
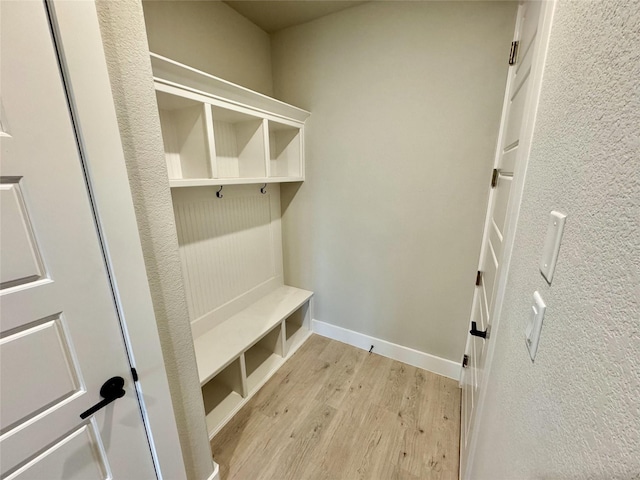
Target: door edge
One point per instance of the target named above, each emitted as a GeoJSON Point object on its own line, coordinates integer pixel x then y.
{"type": "Point", "coordinates": [80, 51]}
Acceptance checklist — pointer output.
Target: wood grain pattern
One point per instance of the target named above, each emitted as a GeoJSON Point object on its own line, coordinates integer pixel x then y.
{"type": "Point", "coordinates": [336, 412]}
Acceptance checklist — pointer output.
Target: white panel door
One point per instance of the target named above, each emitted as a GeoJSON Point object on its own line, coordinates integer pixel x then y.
{"type": "Point", "coordinates": [60, 338]}
{"type": "Point", "coordinates": [528, 23]}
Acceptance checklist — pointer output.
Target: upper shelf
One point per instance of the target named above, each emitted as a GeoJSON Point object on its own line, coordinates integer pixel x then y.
{"type": "Point", "coordinates": [218, 133]}
{"type": "Point", "coordinates": [204, 182]}
{"type": "Point", "coordinates": [174, 73]}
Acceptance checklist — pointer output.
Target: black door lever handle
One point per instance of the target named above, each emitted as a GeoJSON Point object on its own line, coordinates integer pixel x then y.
{"type": "Point", "coordinates": [110, 391]}
{"type": "Point", "coordinates": [477, 333]}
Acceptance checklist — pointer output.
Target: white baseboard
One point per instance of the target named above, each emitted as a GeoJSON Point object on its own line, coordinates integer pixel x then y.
{"type": "Point", "coordinates": [441, 366]}
{"type": "Point", "coordinates": [215, 475]}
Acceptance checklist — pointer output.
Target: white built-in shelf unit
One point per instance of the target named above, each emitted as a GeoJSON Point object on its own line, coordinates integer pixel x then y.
{"type": "Point", "coordinates": [219, 133]}
{"type": "Point", "coordinates": [245, 321]}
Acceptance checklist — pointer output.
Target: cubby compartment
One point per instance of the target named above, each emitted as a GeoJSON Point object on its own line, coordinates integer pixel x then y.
{"type": "Point", "coordinates": [223, 393]}
{"type": "Point", "coordinates": [285, 150]}
{"type": "Point", "coordinates": [263, 357]}
{"type": "Point", "coordinates": [296, 327]}
{"type": "Point", "coordinates": [185, 136]}
{"type": "Point", "coordinates": [217, 133]}
{"type": "Point", "coordinates": [239, 144]}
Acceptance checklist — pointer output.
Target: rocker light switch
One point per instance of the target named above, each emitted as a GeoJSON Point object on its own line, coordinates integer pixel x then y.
{"type": "Point", "coordinates": [552, 244]}
{"type": "Point", "coordinates": [534, 325]}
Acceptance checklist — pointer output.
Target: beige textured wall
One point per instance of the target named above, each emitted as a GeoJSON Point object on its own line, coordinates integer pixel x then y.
{"type": "Point", "coordinates": [405, 101]}
{"type": "Point", "coordinates": [127, 54]}
{"type": "Point", "coordinates": [211, 36]}
{"type": "Point", "coordinates": [575, 412]}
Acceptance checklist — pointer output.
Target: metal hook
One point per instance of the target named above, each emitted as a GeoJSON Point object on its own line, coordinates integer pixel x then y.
{"type": "Point", "coordinates": [218, 194]}
{"type": "Point", "coordinates": [263, 189]}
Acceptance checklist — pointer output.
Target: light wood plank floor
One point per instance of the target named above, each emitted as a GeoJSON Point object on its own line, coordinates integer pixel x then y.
{"type": "Point", "coordinates": [336, 412]}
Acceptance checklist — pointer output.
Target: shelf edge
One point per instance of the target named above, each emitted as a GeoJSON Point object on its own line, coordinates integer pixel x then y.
{"type": "Point", "coordinates": [165, 69]}
{"type": "Point", "coordinates": [217, 182]}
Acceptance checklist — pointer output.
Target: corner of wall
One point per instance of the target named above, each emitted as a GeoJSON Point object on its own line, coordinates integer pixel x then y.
{"type": "Point", "coordinates": [127, 53]}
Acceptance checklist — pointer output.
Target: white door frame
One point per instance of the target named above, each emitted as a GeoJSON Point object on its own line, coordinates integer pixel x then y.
{"type": "Point", "coordinates": [513, 211]}
{"type": "Point", "coordinates": [80, 49]}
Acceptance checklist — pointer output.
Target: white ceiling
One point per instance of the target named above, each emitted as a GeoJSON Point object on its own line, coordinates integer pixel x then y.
{"type": "Point", "coordinates": [272, 15]}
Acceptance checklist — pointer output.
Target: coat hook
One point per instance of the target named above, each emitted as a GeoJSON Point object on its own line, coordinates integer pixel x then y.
{"type": "Point", "coordinates": [218, 193]}
{"type": "Point", "coordinates": [263, 189]}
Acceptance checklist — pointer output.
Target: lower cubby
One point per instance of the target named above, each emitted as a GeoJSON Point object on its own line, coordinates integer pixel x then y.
{"type": "Point", "coordinates": [223, 394]}
{"type": "Point", "coordinates": [263, 358]}
{"type": "Point", "coordinates": [296, 327]}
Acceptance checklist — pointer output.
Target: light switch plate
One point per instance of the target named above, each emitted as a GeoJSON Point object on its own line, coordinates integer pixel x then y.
{"type": "Point", "coordinates": [534, 325]}
{"type": "Point", "coordinates": [552, 244]}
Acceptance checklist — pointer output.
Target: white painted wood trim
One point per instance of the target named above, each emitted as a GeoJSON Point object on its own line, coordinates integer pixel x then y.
{"type": "Point", "coordinates": [81, 51]}
{"type": "Point", "coordinates": [207, 182]}
{"type": "Point", "coordinates": [171, 72]}
{"type": "Point", "coordinates": [183, 91]}
{"type": "Point", "coordinates": [302, 155]}
{"type": "Point", "coordinates": [526, 137]}
{"type": "Point", "coordinates": [216, 472]}
{"type": "Point", "coordinates": [210, 320]}
{"type": "Point", "coordinates": [431, 363]}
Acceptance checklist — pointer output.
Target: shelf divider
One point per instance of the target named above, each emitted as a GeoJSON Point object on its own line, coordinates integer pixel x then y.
{"type": "Point", "coordinates": [211, 140]}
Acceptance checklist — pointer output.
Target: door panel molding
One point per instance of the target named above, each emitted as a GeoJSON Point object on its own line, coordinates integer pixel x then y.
{"type": "Point", "coordinates": [24, 265]}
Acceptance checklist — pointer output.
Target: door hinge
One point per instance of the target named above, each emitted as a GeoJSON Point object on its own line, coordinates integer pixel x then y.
{"type": "Point", "coordinates": [513, 54]}
{"type": "Point", "coordinates": [465, 361]}
{"type": "Point", "coordinates": [478, 278]}
{"type": "Point", "coordinates": [134, 374]}
{"type": "Point", "coordinates": [494, 177]}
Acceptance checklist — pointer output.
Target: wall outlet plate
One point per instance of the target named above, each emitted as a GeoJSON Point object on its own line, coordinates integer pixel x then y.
{"type": "Point", "coordinates": [534, 325]}
{"type": "Point", "coordinates": [552, 244]}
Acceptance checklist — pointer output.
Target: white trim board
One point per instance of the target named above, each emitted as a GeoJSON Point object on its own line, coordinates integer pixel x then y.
{"type": "Point", "coordinates": [215, 475]}
{"type": "Point", "coordinates": [431, 363]}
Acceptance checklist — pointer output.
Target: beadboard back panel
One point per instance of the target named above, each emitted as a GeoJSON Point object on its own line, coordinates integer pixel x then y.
{"type": "Point", "coordinates": [230, 248]}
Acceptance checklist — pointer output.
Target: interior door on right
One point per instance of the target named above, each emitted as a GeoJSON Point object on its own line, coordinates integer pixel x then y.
{"type": "Point", "coordinates": [528, 23]}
